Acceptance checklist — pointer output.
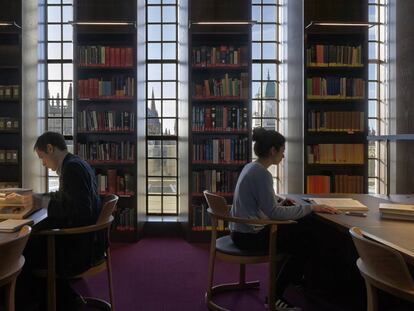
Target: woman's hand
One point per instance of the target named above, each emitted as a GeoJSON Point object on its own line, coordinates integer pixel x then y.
{"type": "Point", "coordinates": [322, 208]}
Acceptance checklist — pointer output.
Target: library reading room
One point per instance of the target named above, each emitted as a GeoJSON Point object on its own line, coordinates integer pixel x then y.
{"type": "Point", "coordinates": [190, 155]}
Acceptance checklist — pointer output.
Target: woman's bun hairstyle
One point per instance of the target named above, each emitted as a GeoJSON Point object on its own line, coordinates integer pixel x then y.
{"type": "Point", "coordinates": [265, 140]}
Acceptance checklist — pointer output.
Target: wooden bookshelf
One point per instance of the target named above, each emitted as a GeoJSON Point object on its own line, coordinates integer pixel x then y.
{"type": "Point", "coordinates": [105, 104]}
{"type": "Point", "coordinates": [336, 110]}
{"type": "Point", "coordinates": [219, 95]}
{"type": "Point", "coordinates": [10, 95]}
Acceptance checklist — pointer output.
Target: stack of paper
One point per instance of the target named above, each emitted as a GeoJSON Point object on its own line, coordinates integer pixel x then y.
{"type": "Point", "coordinates": [15, 203]}
{"type": "Point", "coordinates": [397, 211]}
{"type": "Point", "coordinates": [342, 204]}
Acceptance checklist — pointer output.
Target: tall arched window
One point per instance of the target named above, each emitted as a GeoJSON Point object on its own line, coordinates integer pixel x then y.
{"type": "Point", "coordinates": [266, 69]}
{"type": "Point", "coordinates": [378, 94]}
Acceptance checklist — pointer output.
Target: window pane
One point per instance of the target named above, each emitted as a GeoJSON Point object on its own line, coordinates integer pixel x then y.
{"type": "Point", "coordinates": [67, 51]}
{"type": "Point", "coordinates": [54, 71]}
{"type": "Point", "coordinates": [168, 14]}
{"type": "Point", "coordinates": [169, 167]}
{"type": "Point", "coordinates": [169, 127]}
{"type": "Point", "coordinates": [154, 148]}
{"type": "Point", "coordinates": [67, 32]}
{"type": "Point", "coordinates": [169, 148]}
{"type": "Point", "coordinates": [54, 50]}
{"type": "Point", "coordinates": [55, 125]}
{"type": "Point", "coordinates": [154, 88]}
{"type": "Point", "coordinates": [256, 32]}
{"type": "Point", "coordinates": [256, 50]}
{"type": "Point", "coordinates": [169, 89]}
{"type": "Point", "coordinates": [256, 71]}
{"type": "Point", "coordinates": [154, 204]}
{"type": "Point", "coordinates": [154, 50]}
{"type": "Point", "coordinates": [154, 14]}
{"type": "Point", "coordinates": [154, 185]}
{"type": "Point", "coordinates": [68, 71]}
{"type": "Point", "coordinates": [154, 71]}
{"type": "Point", "coordinates": [154, 167]}
{"type": "Point", "coordinates": [169, 50]}
{"type": "Point", "coordinates": [269, 51]}
{"type": "Point", "coordinates": [169, 71]}
{"type": "Point", "coordinates": [269, 14]}
{"type": "Point", "coordinates": [169, 108]}
{"type": "Point", "coordinates": [67, 14]}
{"type": "Point", "coordinates": [170, 204]}
{"type": "Point", "coordinates": [54, 14]}
{"type": "Point", "coordinates": [54, 33]}
{"type": "Point", "coordinates": [154, 33]}
{"type": "Point", "coordinates": [169, 33]}
{"type": "Point", "coordinates": [269, 33]}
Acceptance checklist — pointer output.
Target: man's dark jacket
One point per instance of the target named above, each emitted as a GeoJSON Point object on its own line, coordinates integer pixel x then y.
{"type": "Point", "coordinates": [77, 203]}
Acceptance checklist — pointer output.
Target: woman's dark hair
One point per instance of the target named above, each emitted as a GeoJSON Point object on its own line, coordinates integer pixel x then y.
{"type": "Point", "coordinates": [265, 140]}
{"type": "Point", "coordinates": [55, 139]}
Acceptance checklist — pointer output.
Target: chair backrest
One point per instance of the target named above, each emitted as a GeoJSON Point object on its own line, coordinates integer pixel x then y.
{"type": "Point", "coordinates": [217, 204]}
{"type": "Point", "coordinates": [108, 208]}
{"type": "Point", "coordinates": [381, 262]}
{"type": "Point", "coordinates": [11, 250]}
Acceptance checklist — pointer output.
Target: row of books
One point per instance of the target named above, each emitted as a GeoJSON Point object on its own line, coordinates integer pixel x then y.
{"type": "Point", "coordinates": [220, 150]}
{"type": "Point", "coordinates": [216, 55]}
{"type": "Point", "coordinates": [341, 184]}
{"type": "Point", "coordinates": [9, 91]}
{"type": "Point", "coordinates": [92, 120]}
{"type": "Point", "coordinates": [9, 184]}
{"type": "Point", "coordinates": [333, 55]}
{"type": "Point", "coordinates": [201, 220]}
{"type": "Point", "coordinates": [105, 56]}
{"type": "Point", "coordinates": [9, 123]}
{"type": "Point", "coordinates": [223, 181]}
{"type": "Point", "coordinates": [340, 87]}
{"type": "Point", "coordinates": [107, 151]}
{"type": "Point", "coordinates": [111, 182]}
{"type": "Point", "coordinates": [117, 86]}
{"type": "Point", "coordinates": [236, 86]}
{"type": "Point", "coordinates": [335, 121]}
{"type": "Point", "coordinates": [219, 118]}
{"type": "Point", "coordinates": [124, 220]}
{"type": "Point", "coordinates": [335, 154]}
{"type": "Point", "coordinates": [9, 156]}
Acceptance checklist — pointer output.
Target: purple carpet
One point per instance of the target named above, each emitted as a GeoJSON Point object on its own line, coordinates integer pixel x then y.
{"type": "Point", "coordinates": [161, 274]}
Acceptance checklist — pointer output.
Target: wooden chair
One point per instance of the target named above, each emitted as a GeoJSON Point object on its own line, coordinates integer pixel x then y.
{"type": "Point", "coordinates": [382, 268]}
{"type": "Point", "coordinates": [104, 222]}
{"type": "Point", "coordinates": [11, 263]}
{"type": "Point", "coordinates": [223, 248]}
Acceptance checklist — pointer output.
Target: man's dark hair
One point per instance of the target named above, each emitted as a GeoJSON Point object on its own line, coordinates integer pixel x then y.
{"type": "Point", "coordinates": [55, 139]}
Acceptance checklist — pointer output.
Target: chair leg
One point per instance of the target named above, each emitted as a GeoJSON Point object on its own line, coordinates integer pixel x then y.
{"type": "Point", "coordinates": [109, 271]}
{"type": "Point", "coordinates": [210, 279]}
{"type": "Point", "coordinates": [272, 269]}
{"type": "Point", "coordinates": [242, 275]}
{"type": "Point", "coordinates": [372, 298]}
{"type": "Point", "coordinates": [10, 289]}
{"type": "Point", "coordinates": [51, 267]}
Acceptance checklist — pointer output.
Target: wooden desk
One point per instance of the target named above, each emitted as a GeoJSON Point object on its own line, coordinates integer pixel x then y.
{"type": "Point", "coordinates": [394, 233]}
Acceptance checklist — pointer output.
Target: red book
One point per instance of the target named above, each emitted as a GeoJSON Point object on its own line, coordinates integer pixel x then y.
{"type": "Point", "coordinates": [112, 181]}
{"type": "Point", "coordinates": [129, 57]}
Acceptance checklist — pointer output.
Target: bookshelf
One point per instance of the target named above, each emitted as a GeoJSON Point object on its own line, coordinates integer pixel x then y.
{"type": "Point", "coordinates": [105, 106]}
{"type": "Point", "coordinates": [10, 96]}
{"type": "Point", "coordinates": [335, 109]}
{"type": "Point", "coordinates": [219, 116]}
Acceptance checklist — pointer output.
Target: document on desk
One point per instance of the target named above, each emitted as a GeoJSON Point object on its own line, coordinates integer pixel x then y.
{"type": "Point", "coordinates": [342, 204]}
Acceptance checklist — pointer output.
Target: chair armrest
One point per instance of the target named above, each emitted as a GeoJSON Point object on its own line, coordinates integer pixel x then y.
{"type": "Point", "coordinates": [76, 230]}
{"type": "Point", "coordinates": [251, 221]}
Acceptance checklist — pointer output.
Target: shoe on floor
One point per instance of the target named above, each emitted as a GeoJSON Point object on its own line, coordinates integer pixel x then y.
{"type": "Point", "coordinates": [282, 305]}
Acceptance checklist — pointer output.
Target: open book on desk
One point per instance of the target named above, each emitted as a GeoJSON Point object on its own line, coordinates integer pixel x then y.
{"type": "Point", "coordinates": [341, 204]}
